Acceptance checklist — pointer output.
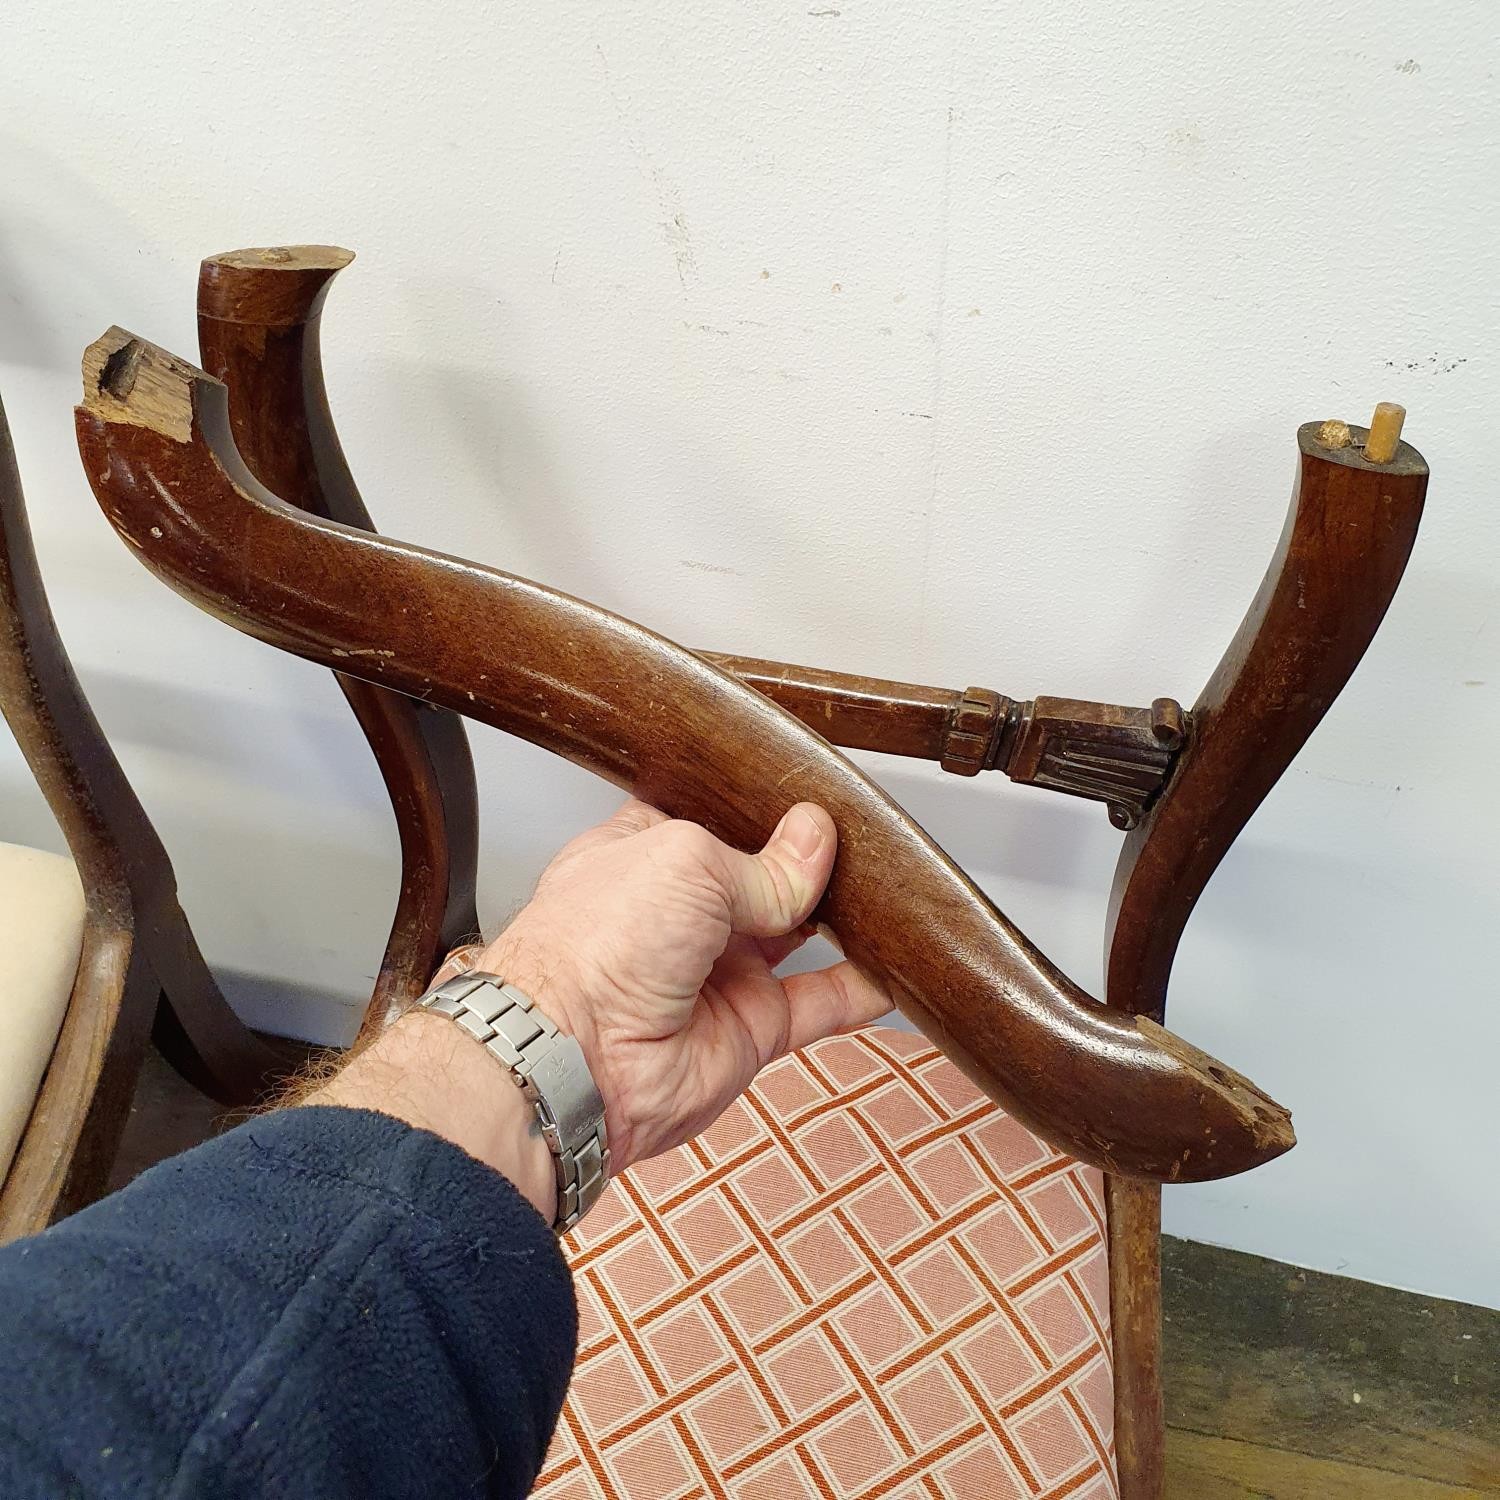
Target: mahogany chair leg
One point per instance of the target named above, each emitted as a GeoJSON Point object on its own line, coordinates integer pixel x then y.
{"type": "Point", "coordinates": [1134, 1218]}
{"type": "Point", "coordinates": [195, 1029]}
{"type": "Point", "coordinates": [134, 984]}
{"type": "Point", "coordinates": [1353, 520]}
{"type": "Point", "coordinates": [1351, 527]}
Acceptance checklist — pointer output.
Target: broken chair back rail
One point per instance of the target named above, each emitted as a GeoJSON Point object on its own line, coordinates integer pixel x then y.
{"type": "Point", "coordinates": [659, 721]}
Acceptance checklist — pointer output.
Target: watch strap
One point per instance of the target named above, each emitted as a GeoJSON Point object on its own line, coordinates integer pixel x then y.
{"type": "Point", "coordinates": [552, 1072]}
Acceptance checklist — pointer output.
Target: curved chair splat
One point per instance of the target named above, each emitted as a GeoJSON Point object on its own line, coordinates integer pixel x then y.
{"type": "Point", "coordinates": [258, 330]}
{"type": "Point", "coordinates": [1119, 1092]}
{"type": "Point", "coordinates": [1351, 527]}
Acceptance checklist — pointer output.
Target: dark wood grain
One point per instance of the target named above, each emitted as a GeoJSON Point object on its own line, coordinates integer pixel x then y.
{"type": "Point", "coordinates": [1133, 1218]}
{"type": "Point", "coordinates": [858, 713]}
{"type": "Point", "coordinates": [1343, 550]}
{"type": "Point", "coordinates": [1104, 751]}
{"type": "Point", "coordinates": [655, 718]}
{"type": "Point", "coordinates": [1348, 534]}
{"type": "Point", "coordinates": [259, 317]}
{"type": "Point", "coordinates": [140, 970]}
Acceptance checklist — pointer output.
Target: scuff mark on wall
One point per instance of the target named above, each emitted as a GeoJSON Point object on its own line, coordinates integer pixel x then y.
{"type": "Point", "coordinates": [1433, 364]}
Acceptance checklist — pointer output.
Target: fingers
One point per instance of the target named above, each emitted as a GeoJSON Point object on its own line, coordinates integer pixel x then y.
{"type": "Point", "coordinates": [826, 1001]}
{"type": "Point", "coordinates": [632, 816]}
{"type": "Point", "coordinates": [629, 819]}
{"type": "Point", "coordinates": [772, 892]}
{"type": "Point", "coordinates": [776, 950]}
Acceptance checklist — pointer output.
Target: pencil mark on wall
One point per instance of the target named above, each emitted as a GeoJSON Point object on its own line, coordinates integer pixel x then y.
{"type": "Point", "coordinates": [673, 220]}
{"type": "Point", "coordinates": [935, 334]}
{"type": "Point", "coordinates": [678, 239]}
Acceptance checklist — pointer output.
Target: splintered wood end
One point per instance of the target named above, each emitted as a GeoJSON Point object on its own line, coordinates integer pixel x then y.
{"type": "Point", "coordinates": [126, 379]}
{"type": "Point", "coordinates": [1269, 1123]}
{"type": "Point", "coordinates": [285, 258]}
{"type": "Point", "coordinates": [280, 286]}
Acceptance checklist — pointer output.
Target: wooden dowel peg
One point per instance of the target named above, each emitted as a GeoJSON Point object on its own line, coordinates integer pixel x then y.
{"type": "Point", "coordinates": [1385, 432]}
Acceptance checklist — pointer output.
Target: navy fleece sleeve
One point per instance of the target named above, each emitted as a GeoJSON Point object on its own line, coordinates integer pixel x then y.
{"type": "Point", "coordinates": [322, 1302]}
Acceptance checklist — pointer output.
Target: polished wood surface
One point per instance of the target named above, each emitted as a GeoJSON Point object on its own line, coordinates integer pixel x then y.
{"type": "Point", "coordinates": [1133, 1218]}
{"type": "Point", "coordinates": [1113, 754]}
{"type": "Point", "coordinates": [864, 713]}
{"type": "Point", "coordinates": [259, 315]}
{"type": "Point", "coordinates": [140, 970]}
{"type": "Point", "coordinates": [1348, 534]}
{"type": "Point", "coordinates": [657, 719]}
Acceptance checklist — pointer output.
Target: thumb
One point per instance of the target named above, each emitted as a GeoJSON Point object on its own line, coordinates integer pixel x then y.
{"type": "Point", "coordinates": [772, 892]}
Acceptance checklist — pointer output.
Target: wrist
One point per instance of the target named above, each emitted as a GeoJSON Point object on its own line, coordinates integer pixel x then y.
{"type": "Point", "coordinates": [425, 1071]}
{"type": "Point", "coordinates": [538, 968]}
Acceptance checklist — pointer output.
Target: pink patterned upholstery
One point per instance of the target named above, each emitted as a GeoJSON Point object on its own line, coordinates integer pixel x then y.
{"type": "Point", "coordinates": [864, 1281]}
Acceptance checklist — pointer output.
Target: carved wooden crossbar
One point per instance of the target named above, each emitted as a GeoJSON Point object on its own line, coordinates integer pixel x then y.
{"type": "Point", "coordinates": [1116, 755]}
{"type": "Point", "coordinates": [234, 496]}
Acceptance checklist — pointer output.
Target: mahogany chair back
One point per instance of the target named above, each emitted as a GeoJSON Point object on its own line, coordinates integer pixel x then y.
{"type": "Point", "coordinates": [1109, 1086]}
{"type": "Point", "coordinates": [140, 973]}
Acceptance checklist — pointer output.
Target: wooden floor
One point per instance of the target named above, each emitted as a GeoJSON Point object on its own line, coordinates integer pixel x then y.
{"type": "Point", "coordinates": [1282, 1384]}
{"type": "Point", "coordinates": [1288, 1383]}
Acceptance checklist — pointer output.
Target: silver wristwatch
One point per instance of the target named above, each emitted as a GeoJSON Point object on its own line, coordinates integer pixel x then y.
{"type": "Point", "coordinates": [550, 1068]}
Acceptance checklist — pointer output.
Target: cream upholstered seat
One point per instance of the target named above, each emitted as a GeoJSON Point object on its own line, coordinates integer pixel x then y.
{"type": "Point", "coordinates": [41, 934]}
{"type": "Point", "coordinates": [864, 1281]}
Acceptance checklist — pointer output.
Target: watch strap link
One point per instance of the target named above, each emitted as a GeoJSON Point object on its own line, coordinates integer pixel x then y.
{"type": "Point", "coordinates": [552, 1072]}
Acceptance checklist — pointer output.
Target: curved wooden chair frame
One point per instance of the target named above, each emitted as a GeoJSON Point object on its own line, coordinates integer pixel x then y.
{"type": "Point", "coordinates": [263, 331]}
{"type": "Point", "coordinates": [140, 973]}
{"type": "Point", "coordinates": [195, 477]}
{"type": "Point", "coordinates": [1113, 1090]}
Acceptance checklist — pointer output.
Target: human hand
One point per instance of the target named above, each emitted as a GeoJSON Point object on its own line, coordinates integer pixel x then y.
{"type": "Point", "coordinates": [654, 944]}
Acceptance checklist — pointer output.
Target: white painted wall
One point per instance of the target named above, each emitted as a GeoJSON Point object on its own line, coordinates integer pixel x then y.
{"type": "Point", "coordinates": [964, 343]}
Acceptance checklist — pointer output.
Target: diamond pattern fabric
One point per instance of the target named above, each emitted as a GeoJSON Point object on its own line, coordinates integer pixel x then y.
{"type": "Point", "coordinates": [864, 1282]}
